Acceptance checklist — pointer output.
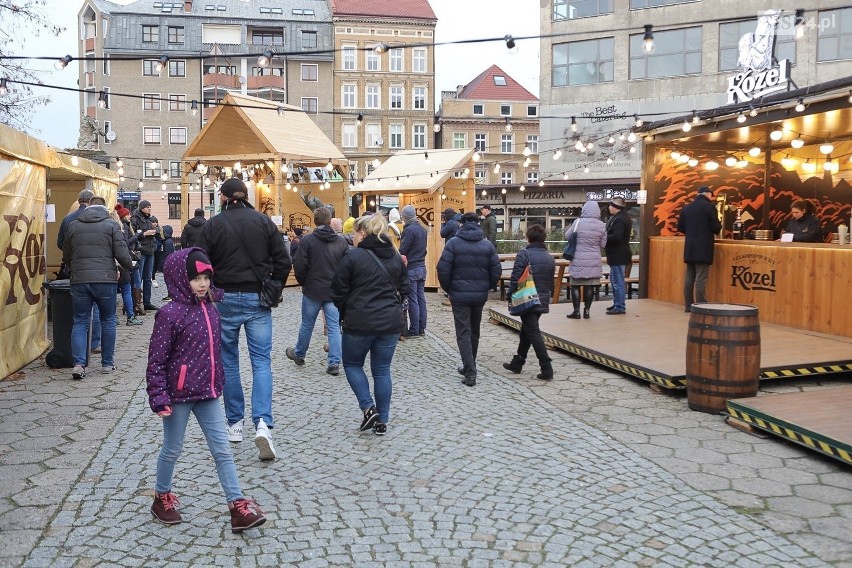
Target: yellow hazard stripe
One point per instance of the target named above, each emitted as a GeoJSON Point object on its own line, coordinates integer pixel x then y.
{"type": "Point", "coordinates": [806, 371]}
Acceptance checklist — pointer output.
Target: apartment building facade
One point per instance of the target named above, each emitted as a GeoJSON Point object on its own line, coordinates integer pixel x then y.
{"type": "Point", "coordinates": [599, 79]}
{"type": "Point", "coordinates": [152, 72]}
{"type": "Point", "coordinates": [383, 80]}
{"type": "Point", "coordinates": [499, 118]}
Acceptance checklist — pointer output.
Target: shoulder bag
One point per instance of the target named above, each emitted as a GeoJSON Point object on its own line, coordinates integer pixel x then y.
{"type": "Point", "coordinates": [571, 248]}
{"type": "Point", "coordinates": [271, 291]}
{"type": "Point", "coordinates": [526, 296]}
{"type": "Point", "coordinates": [403, 302]}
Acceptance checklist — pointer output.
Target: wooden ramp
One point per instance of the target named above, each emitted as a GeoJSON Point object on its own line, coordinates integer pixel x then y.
{"type": "Point", "coordinates": [649, 342]}
{"type": "Point", "coordinates": [819, 420]}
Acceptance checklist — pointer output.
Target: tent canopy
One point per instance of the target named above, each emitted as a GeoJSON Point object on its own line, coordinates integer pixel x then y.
{"type": "Point", "coordinates": [415, 174]}
{"type": "Point", "coordinates": [249, 128]}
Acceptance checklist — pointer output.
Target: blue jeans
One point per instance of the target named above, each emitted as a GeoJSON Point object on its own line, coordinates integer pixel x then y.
{"type": "Point", "coordinates": [380, 348]}
{"type": "Point", "coordinates": [136, 276]}
{"type": "Point", "coordinates": [240, 309]}
{"type": "Point", "coordinates": [83, 297]}
{"type": "Point", "coordinates": [416, 299]}
{"type": "Point", "coordinates": [127, 298]}
{"type": "Point", "coordinates": [146, 261]}
{"type": "Point", "coordinates": [209, 416]}
{"type": "Point", "coordinates": [96, 327]}
{"type": "Point", "coordinates": [310, 310]}
{"type": "Point", "coordinates": [616, 278]}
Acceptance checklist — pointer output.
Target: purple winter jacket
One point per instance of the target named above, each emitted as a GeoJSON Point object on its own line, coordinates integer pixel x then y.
{"type": "Point", "coordinates": [184, 356]}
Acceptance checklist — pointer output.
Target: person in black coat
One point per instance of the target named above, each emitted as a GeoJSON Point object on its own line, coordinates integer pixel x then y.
{"type": "Point", "coordinates": [191, 232]}
{"type": "Point", "coordinates": [700, 223]}
{"type": "Point", "coordinates": [542, 268]}
{"type": "Point", "coordinates": [804, 224]}
{"type": "Point", "coordinates": [617, 249]}
{"type": "Point", "coordinates": [451, 224]}
{"type": "Point", "coordinates": [467, 270]}
{"type": "Point", "coordinates": [369, 288]}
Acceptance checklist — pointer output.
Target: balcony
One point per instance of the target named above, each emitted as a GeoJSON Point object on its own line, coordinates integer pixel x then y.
{"type": "Point", "coordinates": [90, 79]}
{"type": "Point", "coordinates": [266, 82]}
{"type": "Point", "coordinates": [221, 80]}
{"type": "Point", "coordinates": [89, 44]}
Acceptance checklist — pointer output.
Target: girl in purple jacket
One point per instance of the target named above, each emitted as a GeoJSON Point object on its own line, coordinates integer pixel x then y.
{"type": "Point", "coordinates": [185, 375]}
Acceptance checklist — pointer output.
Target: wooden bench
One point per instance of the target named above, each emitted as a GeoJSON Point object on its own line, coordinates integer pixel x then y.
{"type": "Point", "coordinates": [629, 282]}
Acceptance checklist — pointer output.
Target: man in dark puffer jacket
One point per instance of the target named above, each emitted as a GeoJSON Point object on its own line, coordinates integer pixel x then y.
{"type": "Point", "coordinates": [467, 270]}
{"type": "Point", "coordinates": [191, 232]}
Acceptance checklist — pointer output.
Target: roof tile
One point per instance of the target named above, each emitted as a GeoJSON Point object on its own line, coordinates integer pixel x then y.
{"type": "Point", "coordinates": [414, 9]}
{"type": "Point", "coordinates": [484, 88]}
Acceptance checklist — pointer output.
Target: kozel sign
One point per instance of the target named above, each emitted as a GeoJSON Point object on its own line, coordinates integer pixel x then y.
{"type": "Point", "coordinates": [759, 77]}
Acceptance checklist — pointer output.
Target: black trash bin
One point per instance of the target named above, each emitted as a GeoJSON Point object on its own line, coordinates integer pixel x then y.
{"type": "Point", "coordinates": [62, 315]}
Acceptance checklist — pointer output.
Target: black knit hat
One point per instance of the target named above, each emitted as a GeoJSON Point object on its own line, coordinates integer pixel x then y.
{"type": "Point", "coordinates": [234, 188]}
{"type": "Point", "coordinates": [197, 263]}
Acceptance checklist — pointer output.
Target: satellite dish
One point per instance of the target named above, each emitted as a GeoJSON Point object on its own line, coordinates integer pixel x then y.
{"type": "Point", "coordinates": [242, 79]}
{"type": "Point", "coordinates": [110, 135]}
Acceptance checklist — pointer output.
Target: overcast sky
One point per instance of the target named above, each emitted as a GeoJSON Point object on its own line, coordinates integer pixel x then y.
{"type": "Point", "coordinates": [58, 123]}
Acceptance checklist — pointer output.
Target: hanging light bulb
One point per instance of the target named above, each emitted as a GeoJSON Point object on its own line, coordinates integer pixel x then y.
{"type": "Point", "coordinates": [75, 161]}
{"type": "Point", "coordinates": [826, 148]}
{"type": "Point", "coordinates": [695, 119]}
{"type": "Point", "coordinates": [522, 188]}
{"type": "Point", "coordinates": [4, 87]}
{"type": "Point", "coordinates": [754, 152]}
{"type": "Point", "coordinates": [206, 182]}
{"type": "Point", "coordinates": [360, 120]}
{"type": "Point", "coordinates": [579, 146]}
{"type": "Point", "coordinates": [160, 64]}
{"type": "Point", "coordinates": [63, 63]}
{"type": "Point", "coordinates": [638, 121]}
{"type": "Point", "coordinates": [164, 176]}
{"type": "Point", "coordinates": [632, 137]}
{"type": "Point", "coordinates": [800, 24]}
{"type": "Point", "coordinates": [557, 154]}
{"type": "Point", "coordinates": [648, 39]}
{"type": "Point", "coordinates": [800, 106]}
{"type": "Point", "coordinates": [484, 193]}
{"type": "Point", "coordinates": [711, 165]}
{"type": "Point", "coordinates": [119, 162]}
{"type": "Point", "coordinates": [632, 150]}
{"type": "Point", "coordinates": [741, 118]}
{"type": "Point", "coordinates": [497, 168]}
{"type": "Point", "coordinates": [777, 134]}
{"type": "Point", "coordinates": [141, 185]}
{"type": "Point", "coordinates": [692, 162]}
{"type": "Point", "coordinates": [329, 166]}
{"type": "Point", "coordinates": [686, 127]}
{"type": "Point", "coordinates": [326, 185]}
{"type": "Point", "coordinates": [265, 58]}
{"type": "Point", "coordinates": [788, 162]}
{"type": "Point", "coordinates": [510, 44]}
{"type": "Point", "coordinates": [675, 155]}
{"type": "Point", "coordinates": [752, 112]}
{"type": "Point", "coordinates": [808, 167]}
{"type": "Point", "coordinates": [590, 145]}
{"type": "Point", "coordinates": [574, 124]}
{"type": "Point", "coordinates": [503, 191]}
{"type": "Point", "coordinates": [684, 158]}
{"type": "Point", "coordinates": [830, 166]}
{"type": "Point", "coordinates": [464, 192]}
{"type": "Point", "coordinates": [586, 170]}
{"type": "Point", "coordinates": [621, 136]}
{"type": "Point", "coordinates": [288, 185]}
{"type": "Point", "coordinates": [120, 171]}
{"type": "Point", "coordinates": [730, 161]}
{"type": "Point", "coordinates": [850, 97]}
{"type": "Point", "coordinates": [193, 107]}
{"type": "Point", "coordinates": [609, 159]}
{"type": "Point", "coordinates": [527, 151]}
{"type": "Point", "coordinates": [541, 183]}
{"type": "Point", "coordinates": [102, 100]}
{"type": "Point", "coordinates": [426, 157]}
{"type": "Point", "coordinates": [565, 176]}
{"type": "Point", "coordinates": [476, 156]}
{"type": "Point", "coordinates": [527, 162]}
{"type": "Point", "coordinates": [376, 162]}
{"type": "Point", "coordinates": [381, 48]}
{"type": "Point", "coordinates": [797, 142]}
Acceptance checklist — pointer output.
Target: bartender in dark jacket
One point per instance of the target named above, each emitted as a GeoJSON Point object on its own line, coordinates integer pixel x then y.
{"type": "Point", "coordinates": [804, 225]}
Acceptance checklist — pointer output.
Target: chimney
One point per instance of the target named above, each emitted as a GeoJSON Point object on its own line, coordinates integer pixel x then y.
{"type": "Point", "coordinates": [187, 6]}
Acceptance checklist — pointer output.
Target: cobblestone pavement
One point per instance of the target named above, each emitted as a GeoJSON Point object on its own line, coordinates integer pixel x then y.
{"type": "Point", "coordinates": [591, 469]}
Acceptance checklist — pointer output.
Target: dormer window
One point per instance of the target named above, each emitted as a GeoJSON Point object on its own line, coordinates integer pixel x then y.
{"type": "Point", "coordinates": [500, 80]}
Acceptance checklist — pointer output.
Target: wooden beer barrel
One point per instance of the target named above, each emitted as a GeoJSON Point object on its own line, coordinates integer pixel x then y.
{"type": "Point", "coordinates": [722, 355]}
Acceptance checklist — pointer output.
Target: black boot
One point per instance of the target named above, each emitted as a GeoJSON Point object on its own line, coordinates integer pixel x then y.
{"type": "Point", "coordinates": [575, 300]}
{"type": "Point", "coordinates": [516, 365]}
{"type": "Point", "coordinates": [546, 373]}
{"type": "Point", "coordinates": [588, 297]}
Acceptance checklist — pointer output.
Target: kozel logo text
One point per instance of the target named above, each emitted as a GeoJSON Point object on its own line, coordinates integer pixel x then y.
{"type": "Point", "coordinates": [748, 279]}
{"type": "Point", "coordinates": [749, 85]}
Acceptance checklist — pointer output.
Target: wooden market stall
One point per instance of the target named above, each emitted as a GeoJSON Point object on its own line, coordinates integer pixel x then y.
{"type": "Point", "coordinates": [288, 163]}
{"type": "Point", "coordinates": [38, 187]}
{"type": "Point", "coordinates": [431, 181]}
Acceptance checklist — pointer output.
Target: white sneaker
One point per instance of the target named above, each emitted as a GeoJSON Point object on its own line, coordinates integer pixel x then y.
{"type": "Point", "coordinates": [154, 284]}
{"type": "Point", "coordinates": [235, 432]}
{"type": "Point", "coordinates": [263, 441]}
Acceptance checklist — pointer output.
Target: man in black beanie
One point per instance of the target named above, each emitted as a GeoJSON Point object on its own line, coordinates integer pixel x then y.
{"type": "Point", "coordinates": [145, 230]}
{"type": "Point", "coordinates": [242, 244]}
{"type": "Point", "coordinates": [191, 232]}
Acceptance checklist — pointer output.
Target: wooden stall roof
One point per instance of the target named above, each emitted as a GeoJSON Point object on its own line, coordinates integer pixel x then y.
{"type": "Point", "coordinates": [245, 127]}
{"type": "Point", "coordinates": [24, 147]}
{"type": "Point", "coordinates": [414, 173]}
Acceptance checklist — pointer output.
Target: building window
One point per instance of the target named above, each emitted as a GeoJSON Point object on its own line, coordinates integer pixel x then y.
{"type": "Point", "coordinates": [532, 177]}
{"type": "Point", "coordinates": [571, 9]}
{"type": "Point", "coordinates": [349, 135]}
{"type": "Point", "coordinates": [150, 169]}
{"type": "Point", "coordinates": [507, 142]}
{"type": "Point", "coordinates": [478, 110]}
{"type": "Point", "coordinates": [309, 40]}
{"type": "Point", "coordinates": [150, 34]}
{"type": "Point", "coordinates": [151, 101]}
{"type": "Point", "coordinates": [419, 98]}
{"type": "Point", "coordinates": [729, 40]}
{"type": "Point", "coordinates": [374, 134]}
{"type": "Point", "coordinates": [506, 178]}
{"type": "Point", "coordinates": [349, 58]}
{"type": "Point", "coordinates": [372, 61]}
{"type": "Point", "coordinates": [221, 69]}
{"type": "Point", "coordinates": [267, 71]}
{"type": "Point", "coordinates": [349, 97]}
{"type": "Point", "coordinates": [532, 143]}
{"type": "Point", "coordinates": [373, 96]}
{"type": "Point", "coordinates": [459, 139]}
{"type": "Point", "coordinates": [309, 105]}
{"type": "Point", "coordinates": [532, 110]}
{"type": "Point", "coordinates": [310, 72]}
{"type": "Point", "coordinates": [176, 34]}
{"type": "Point", "coordinates": [106, 64]}
{"type": "Point", "coordinates": [500, 80]}
{"type": "Point", "coordinates": [151, 135]}
{"type": "Point", "coordinates": [177, 103]}
{"type": "Point", "coordinates": [396, 97]}
{"type": "Point", "coordinates": [505, 110]}
{"type": "Point", "coordinates": [177, 135]}
{"type": "Point", "coordinates": [149, 68]}
{"type": "Point", "coordinates": [174, 169]}
{"type": "Point", "coordinates": [834, 41]}
{"type": "Point", "coordinates": [480, 142]}
{"type": "Point", "coordinates": [419, 136]}
{"type": "Point", "coordinates": [107, 97]}
{"type": "Point", "coordinates": [267, 37]}
{"type": "Point", "coordinates": [396, 59]}
{"type": "Point", "coordinates": [174, 205]}
{"type": "Point", "coordinates": [107, 128]}
{"type": "Point", "coordinates": [583, 62]}
{"type": "Point", "coordinates": [418, 60]}
{"type": "Point", "coordinates": [642, 4]}
{"type": "Point", "coordinates": [479, 176]}
{"type": "Point", "coordinates": [676, 52]}
{"type": "Point", "coordinates": [177, 68]}
{"type": "Point", "coordinates": [396, 136]}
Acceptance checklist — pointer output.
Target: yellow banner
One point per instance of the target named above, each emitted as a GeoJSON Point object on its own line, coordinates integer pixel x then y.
{"type": "Point", "coordinates": [23, 332]}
